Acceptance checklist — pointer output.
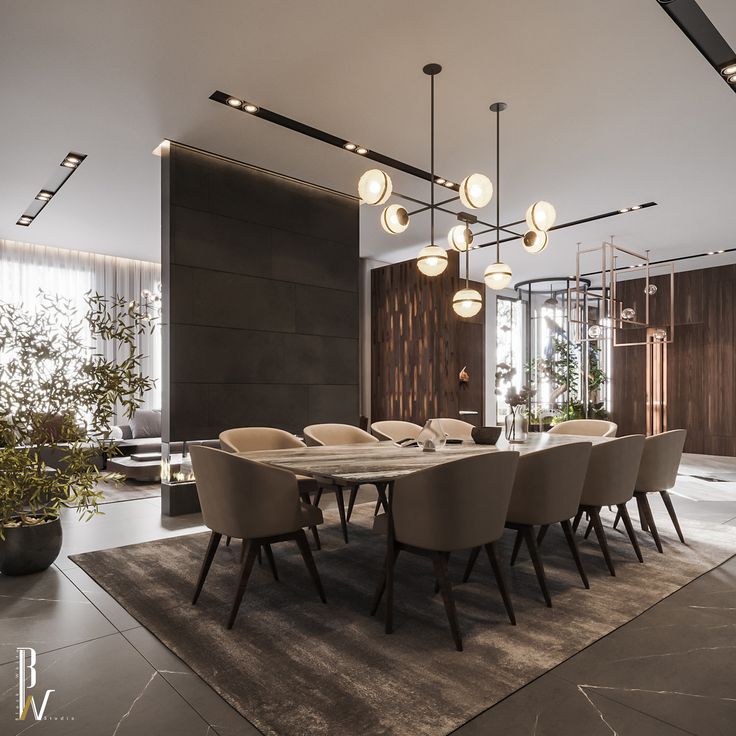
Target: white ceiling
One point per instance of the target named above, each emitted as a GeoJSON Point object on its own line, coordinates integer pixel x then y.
{"type": "Point", "coordinates": [609, 105]}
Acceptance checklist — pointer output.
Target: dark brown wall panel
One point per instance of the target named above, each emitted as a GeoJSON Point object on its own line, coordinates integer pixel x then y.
{"type": "Point", "coordinates": [701, 363]}
{"type": "Point", "coordinates": [260, 299]}
{"type": "Point", "coordinates": [419, 345]}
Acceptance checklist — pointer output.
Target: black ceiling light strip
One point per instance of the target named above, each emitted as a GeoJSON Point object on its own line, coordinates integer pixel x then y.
{"type": "Point", "coordinates": [70, 163]}
{"type": "Point", "coordinates": [572, 223]}
{"type": "Point", "coordinates": [669, 260]}
{"type": "Point", "coordinates": [321, 135]}
{"type": "Point", "coordinates": [696, 25]}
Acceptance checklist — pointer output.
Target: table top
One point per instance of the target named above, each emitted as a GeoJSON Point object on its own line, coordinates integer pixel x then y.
{"type": "Point", "coordinates": [384, 462]}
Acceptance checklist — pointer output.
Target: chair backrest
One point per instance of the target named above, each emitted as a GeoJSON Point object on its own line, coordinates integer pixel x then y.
{"type": "Point", "coordinates": [252, 439]}
{"type": "Point", "coordinates": [336, 434]}
{"type": "Point", "coordinates": [660, 461]}
{"type": "Point", "coordinates": [395, 431]}
{"type": "Point", "coordinates": [456, 429]}
{"type": "Point", "coordinates": [242, 498]}
{"type": "Point", "coordinates": [549, 484]}
{"type": "Point", "coordinates": [456, 505]}
{"type": "Point", "coordinates": [586, 427]}
{"type": "Point", "coordinates": [612, 471]}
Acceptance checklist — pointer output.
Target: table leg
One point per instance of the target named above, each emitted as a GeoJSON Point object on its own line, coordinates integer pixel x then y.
{"type": "Point", "coordinates": [390, 561]}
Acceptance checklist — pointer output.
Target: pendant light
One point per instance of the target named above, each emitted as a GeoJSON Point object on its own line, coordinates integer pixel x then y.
{"type": "Point", "coordinates": [476, 191]}
{"type": "Point", "coordinates": [467, 302]}
{"type": "Point", "coordinates": [375, 187]}
{"type": "Point", "coordinates": [394, 219]}
{"type": "Point", "coordinates": [498, 275]}
{"type": "Point", "coordinates": [460, 238]}
{"type": "Point", "coordinates": [541, 216]}
{"type": "Point", "coordinates": [432, 260]}
{"type": "Point", "coordinates": [535, 241]}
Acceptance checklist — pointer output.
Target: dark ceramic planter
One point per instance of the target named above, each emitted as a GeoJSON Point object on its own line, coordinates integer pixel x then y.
{"type": "Point", "coordinates": [29, 549]}
{"type": "Point", "coordinates": [485, 435]}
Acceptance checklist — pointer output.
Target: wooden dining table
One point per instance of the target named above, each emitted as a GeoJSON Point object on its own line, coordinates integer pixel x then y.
{"type": "Point", "coordinates": [383, 463]}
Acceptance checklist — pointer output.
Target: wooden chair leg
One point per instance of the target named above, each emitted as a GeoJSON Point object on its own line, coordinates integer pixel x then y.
{"type": "Point", "coordinates": [243, 544]}
{"type": "Point", "coordinates": [315, 534]}
{"type": "Point", "coordinates": [617, 519]}
{"type": "Point", "coordinates": [301, 540]}
{"type": "Point", "coordinates": [341, 510]}
{"type": "Point", "coordinates": [602, 541]}
{"type": "Point", "coordinates": [351, 502]}
{"type": "Point", "coordinates": [624, 514]}
{"type": "Point", "coordinates": [647, 510]}
{"type": "Point", "coordinates": [573, 545]}
{"type": "Point", "coordinates": [440, 572]}
{"type": "Point", "coordinates": [227, 541]}
{"type": "Point", "coordinates": [382, 584]}
{"type": "Point", "coordinates": [271, 561]}
{"type": "Point", "coordinates": [517, 546]}
{"type": "Point", "coordinates": [250, 558]}
{"type": "Point", "coordinates": [642, 511]}
{"type": "Point", "coordinates": [576, 520]}
{"type": "Point", "coordinates": [671, 511]}
{"type": "Point", "coordinates": [471, 563]}
{"type": "Point", "coordinates": [437, 582]}
{"type": "Point", "coordinates": [588, 529]}
{"type": "Point", "coordinates": [209, 555]}
{"type": "Point", "coordinates": [500, 581]}
{"type": "Point", "coordinates": [531, 543]}
{"type": "Point", "coordinates": [542, 533]}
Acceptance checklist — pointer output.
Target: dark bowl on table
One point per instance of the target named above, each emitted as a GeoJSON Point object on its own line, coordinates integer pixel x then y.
{"type": "Point", "coordinates": [485, 435]}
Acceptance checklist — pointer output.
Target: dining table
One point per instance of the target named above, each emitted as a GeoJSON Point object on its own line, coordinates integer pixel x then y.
{"type": "Point", "coordinates": [383, 463]}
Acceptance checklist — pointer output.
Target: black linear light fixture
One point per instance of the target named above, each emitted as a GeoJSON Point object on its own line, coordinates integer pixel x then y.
{"type": "Point", "coordinates": [70, 164]}
{"type": "Point", "coordinates": [395, 218]}
{"type": "Point", "coordinates": [695, 24]}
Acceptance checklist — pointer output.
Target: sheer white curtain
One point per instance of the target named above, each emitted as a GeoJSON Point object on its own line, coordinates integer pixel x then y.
{"type": "Point", "coordinates": [26, 267]}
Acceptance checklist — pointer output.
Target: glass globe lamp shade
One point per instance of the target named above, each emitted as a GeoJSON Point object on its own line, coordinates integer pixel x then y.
{"type": "Point", "coordinates": [497, 276]}
{"type": "Point", "coordinates": [541, 216]}
{"type": "Point", "coordinates": [594, 332]}
{"type": "Point", "coordinates": [628, 313]}
{"type": "Point", "coordinates": [460, 238]}
{"type": "Point", "coordinates": [535, 241]}
{"type": "Point", "coordinates": [651, 289]}
{"type": "Point", "coordinates": [476, 191]}
{"type": "Point", "coordinates": [432, 260]}
{"type": "Point", "coordinates": [375, 187]}
{"type": "Point", "coordinates": [467, 302]}
{"type": "Point", "coordinates": [394, 219]}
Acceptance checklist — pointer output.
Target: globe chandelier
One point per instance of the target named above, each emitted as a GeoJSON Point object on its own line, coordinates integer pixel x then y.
{"type": "Point", "coordinates": [474, 192]}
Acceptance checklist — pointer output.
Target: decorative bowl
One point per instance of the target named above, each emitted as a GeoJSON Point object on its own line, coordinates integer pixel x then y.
{"type": "Point", "coordinates": [485, 435]}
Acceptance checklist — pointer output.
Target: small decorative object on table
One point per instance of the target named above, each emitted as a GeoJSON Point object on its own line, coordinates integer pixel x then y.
{"type": "Point", "coordinates": [516, 423]}
{"type": "Point", "coordinates": [485, 435]}
{"type": "Point", "coordinates": [432, 437]}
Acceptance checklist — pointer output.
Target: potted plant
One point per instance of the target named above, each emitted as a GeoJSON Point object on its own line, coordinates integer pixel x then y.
{"type": "Point", "coordinates": [58, 395]}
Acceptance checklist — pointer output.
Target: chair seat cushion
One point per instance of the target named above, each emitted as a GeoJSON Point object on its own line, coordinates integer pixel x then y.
{"type": "Point", "coordinates": [310, 515]}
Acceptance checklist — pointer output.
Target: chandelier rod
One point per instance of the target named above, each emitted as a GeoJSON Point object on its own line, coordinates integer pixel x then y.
{"type": "Point", "coordinates": [431, 157]}
{"type": "Point", "coordinates": [498, 184]}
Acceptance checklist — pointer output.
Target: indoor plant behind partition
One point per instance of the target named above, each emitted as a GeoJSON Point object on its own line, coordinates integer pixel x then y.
{"type": "Point", "coordinates": [58, 395]}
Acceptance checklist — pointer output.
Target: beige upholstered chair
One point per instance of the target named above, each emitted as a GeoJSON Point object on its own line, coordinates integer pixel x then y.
{"type": "Point", "coordinates": [547, 490]}
{"type": "Point", "coordinates": [454, 506]}
{"type": "Point", "coordinates": [657, 474]}
{"type": "Point", "coordinates": [586, 428]}
{"type": "Point", "coordinates": [254, 502]}
{"type": "Point", "coordinates": [610, 481]}
{"type": "Point", "coordinates": [253, 439]}
{"type": "Point", "coordinates": [456, 429]}
{"type": "Point", "coordinates": [323, 435]}
{"type": "Point", "coordinates": [395, 431]}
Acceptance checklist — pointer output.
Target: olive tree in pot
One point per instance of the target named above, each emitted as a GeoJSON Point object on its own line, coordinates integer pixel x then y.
{"type": "Point", "coordinates": [58, 396]}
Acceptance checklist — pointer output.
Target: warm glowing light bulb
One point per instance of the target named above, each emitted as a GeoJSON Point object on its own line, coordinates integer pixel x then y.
{"type": "Point", "coordinates": [234, 102]}
{"type": "Point", "coordinates": [394, 219]}
{"type": "Point", "coordinates": [467, 302]}
{"type": "Point", "coordinates": [476, 191]}
{"type": "Point", "coordinates": [541, 216]}
{"type": "Point", "coordinates": [460, 238]}
{"type": "Point", "coordinates": [497, 276]}
{"type": "Point", "coordinates": [432, 260]}
{"type": "Point", "coordinates": [375, 187]}
{"type": "Point", "coordinates": [535, 241]}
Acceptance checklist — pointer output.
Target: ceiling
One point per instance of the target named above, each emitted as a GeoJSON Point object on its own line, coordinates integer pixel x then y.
{"type": "Point", "coordinates": [609, 105]}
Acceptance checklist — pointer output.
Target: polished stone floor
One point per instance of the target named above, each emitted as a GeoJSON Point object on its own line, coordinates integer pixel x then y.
{"type": "Point", "coordinates": [672, 670]}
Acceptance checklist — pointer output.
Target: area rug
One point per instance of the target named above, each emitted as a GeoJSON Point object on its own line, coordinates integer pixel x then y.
{"type": "Point", "coordinates": [127, 491]}
{"type": "Point", "coordinates": [294, 666]}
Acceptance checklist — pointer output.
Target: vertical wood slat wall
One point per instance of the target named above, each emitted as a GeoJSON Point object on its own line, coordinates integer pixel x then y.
{"type": "Point", "coordinates": [701, 364]}
{"type": "Point", "coordinates": [419, 345]}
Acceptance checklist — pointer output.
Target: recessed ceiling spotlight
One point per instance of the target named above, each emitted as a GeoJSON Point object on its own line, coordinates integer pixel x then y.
{"type": "Point", "coordinates": [732, 79]}
{"type": "Point", "coordinates": [44, 195]}
{"type": "Point", "coordinates": [440, 180]}
{"type": "Point", "coordinates": [25, 220]}
{"type": "Point", "coordinates": [349, 146]}
{"type": "Point", "coordinates": [250, 107]}
{"type": "Point", "coordinates": [361, 151]}
{"type": "Point", "coordinates": [69, 163]}
{"type": "Point", "coordinates": [636, 207]}
{"type": "Point", "coordinates": [720, 251]}
{"type": "Point", "coordinates": [727, 71]}
{"type": "Point", "coordinates": [449, 184]}
{"type": "Point", "coordinates": [625, 209]}
{"type": "Point", "coordinates": [234, 102]}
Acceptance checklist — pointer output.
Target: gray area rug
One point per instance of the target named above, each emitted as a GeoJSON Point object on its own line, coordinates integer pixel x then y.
{"type": "Point", "coordinates": [295, 666]}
